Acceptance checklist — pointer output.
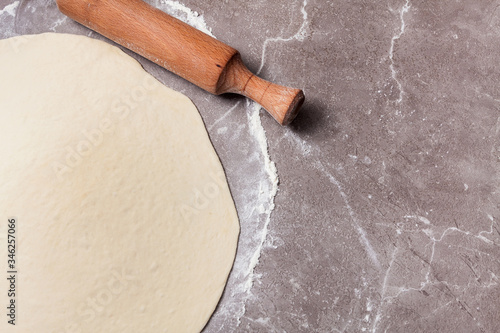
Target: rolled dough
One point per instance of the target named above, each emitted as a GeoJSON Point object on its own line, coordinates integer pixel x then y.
{"type": "Point", "coordinates": [125, 222]}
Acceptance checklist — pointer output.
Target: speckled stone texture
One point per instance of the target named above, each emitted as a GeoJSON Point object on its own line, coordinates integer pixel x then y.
{"type": "Point", "coordinates": [388, 206]}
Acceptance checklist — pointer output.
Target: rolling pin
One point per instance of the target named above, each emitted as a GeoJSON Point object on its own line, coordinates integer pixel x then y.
{"type": "Point", "coordinates": [183, 50]}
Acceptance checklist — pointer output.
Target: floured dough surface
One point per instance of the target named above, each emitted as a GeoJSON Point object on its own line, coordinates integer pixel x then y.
{"type": "Point", "coordinates": [125, 222]}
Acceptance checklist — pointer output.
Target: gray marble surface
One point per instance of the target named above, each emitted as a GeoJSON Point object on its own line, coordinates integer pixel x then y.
{"type": "Point", "coordinates": [386, 216]}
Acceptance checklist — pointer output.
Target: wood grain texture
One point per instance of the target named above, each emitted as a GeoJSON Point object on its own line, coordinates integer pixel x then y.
{"type": "Point", "coordinates": [183, 50]}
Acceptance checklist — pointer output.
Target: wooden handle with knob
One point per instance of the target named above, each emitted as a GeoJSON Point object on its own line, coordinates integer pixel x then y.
{"type": "Point", "coordinates": [182, 49]}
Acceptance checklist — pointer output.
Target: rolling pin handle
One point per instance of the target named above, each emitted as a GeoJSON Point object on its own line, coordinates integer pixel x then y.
{"type": "Point", "coordinates": [283, 103]}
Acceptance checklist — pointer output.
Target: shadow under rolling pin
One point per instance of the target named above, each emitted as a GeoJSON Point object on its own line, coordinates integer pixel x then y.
{"type": "Point", "coordinates": [183, 50]}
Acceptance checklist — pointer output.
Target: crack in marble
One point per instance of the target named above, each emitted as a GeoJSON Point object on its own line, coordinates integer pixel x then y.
{"type": "Point", "coordinates": [427, 281]}
{"type": "Point", "coordinates": [402, 12]}
{"type": "Point", "coordinates": [479, 92]}
{"type": "Point", "coordinates": [361, 232]}
{"type": "Point", "coordinates": [378, 316]}
{"type": "Point", "coordinates": [479, 236]}
{"type": "Point", "coordinates": [300, 35]}
{"type": "Point", "coordinates": [305, 148]}
{"type": "Point", "coordinates": [420, 218]}
{"type": "Point", "coordinates": [228, 112]}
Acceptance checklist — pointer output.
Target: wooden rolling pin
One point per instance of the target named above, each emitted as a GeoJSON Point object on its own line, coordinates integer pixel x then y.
{"type": "Point", "coordinates": [182, 49]}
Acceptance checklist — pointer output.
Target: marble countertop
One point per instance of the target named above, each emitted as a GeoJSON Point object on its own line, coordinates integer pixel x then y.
{"type": "Point", "coordinates": [378, 209]}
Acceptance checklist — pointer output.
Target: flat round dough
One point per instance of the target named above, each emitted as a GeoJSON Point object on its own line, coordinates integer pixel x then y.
{"type": "Point", "coordinates": [124, 220]}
